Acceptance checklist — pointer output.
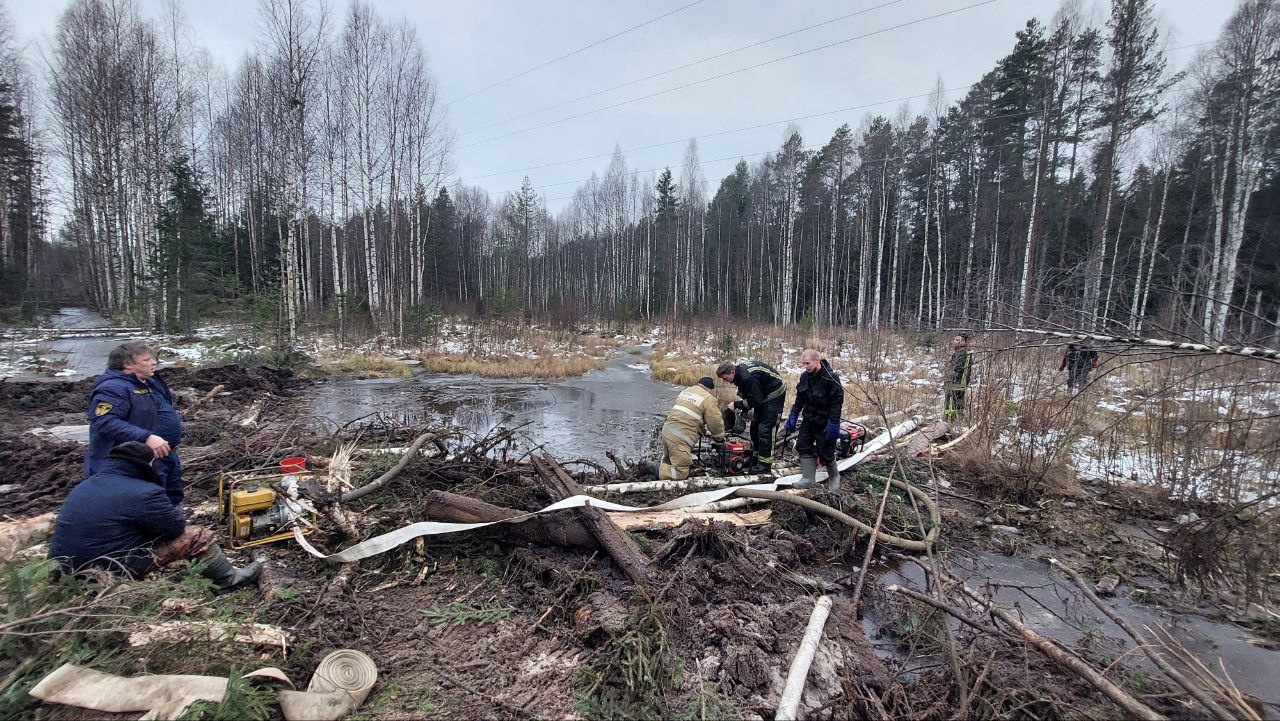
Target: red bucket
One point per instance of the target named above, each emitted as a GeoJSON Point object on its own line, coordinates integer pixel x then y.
{"type": "Point", "coordinates": [295, 464]}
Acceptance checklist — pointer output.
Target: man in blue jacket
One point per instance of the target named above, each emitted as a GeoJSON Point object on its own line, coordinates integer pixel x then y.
{"type": "Point", "coordinates": [120, 520]}
{"type": "Point", "coordinates": [820, 398]}
{"type": "Point", "coordinates": [130, 403]}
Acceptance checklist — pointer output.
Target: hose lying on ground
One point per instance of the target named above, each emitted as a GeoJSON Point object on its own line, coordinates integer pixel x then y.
{"type": "Point", "coordinates": [909, 544]}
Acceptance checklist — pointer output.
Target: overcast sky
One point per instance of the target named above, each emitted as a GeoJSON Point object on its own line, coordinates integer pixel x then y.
{"type": "Point", "coordinates": [471, 45]}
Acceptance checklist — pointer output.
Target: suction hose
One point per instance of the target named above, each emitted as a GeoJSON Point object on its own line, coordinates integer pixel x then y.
{"type": "Point", "coordinates": [908, 544]}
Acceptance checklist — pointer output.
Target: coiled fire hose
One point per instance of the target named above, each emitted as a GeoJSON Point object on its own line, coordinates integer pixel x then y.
{"type": "Point", "coordinates": [909, 544]}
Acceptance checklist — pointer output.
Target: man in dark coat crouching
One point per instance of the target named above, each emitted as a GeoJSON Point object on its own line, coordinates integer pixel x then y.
{"type": "Point", "coordinates": [121, 520]}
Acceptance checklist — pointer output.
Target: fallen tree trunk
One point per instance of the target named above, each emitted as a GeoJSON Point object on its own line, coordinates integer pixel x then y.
{"type": "Point", "coordinates": [614, 541]}
{"type": "Point", "coordinates": [1150, 649]}
{"type": "Point", "coordinates": [789, 704]}
{"type": "Point", "coordinates": [558, 530]}
{"type": "Point", "coordinates": [671, 519]}
{"type": "Point", "coordinates": [410, 453]}
{"type": "Point", "coordinates": [1067, 660]}
{"type": "Point", "coordinates": [1267, 354]}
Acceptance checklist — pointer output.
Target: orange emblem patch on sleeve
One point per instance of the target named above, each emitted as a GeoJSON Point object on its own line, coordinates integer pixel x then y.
{"type": "Point", "coordinates": [102, 409]}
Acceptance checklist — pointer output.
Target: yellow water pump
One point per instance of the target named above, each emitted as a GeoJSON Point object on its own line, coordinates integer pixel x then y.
{"type": "Point", "coordinates": [264, 507]}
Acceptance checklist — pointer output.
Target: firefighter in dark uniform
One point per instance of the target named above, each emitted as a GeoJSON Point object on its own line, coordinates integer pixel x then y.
{"type": "Point", "coordinates": [819, 400]}
{"type": "Point", "coordinates": [763, 393]}
{"type": "Point", "coordinates": [957, 374]}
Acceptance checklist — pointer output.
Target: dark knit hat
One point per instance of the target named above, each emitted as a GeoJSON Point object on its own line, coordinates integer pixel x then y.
{"type": "Point", "coordinates": [133, 451]}
{"type": "Point", "coordinates": [138, 455]}
{"type": "Point", "coordinates": [706, 382]}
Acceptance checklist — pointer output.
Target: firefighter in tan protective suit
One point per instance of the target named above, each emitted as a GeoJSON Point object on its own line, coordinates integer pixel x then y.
{"type": "Point", "coordinates": [695, 409]}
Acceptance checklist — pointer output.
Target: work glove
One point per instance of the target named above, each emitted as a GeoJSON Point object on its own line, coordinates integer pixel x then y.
{"type": "Point", "coordinates": [833, 430]}
{"type": "Point", "coordinates": [717, 445]}
{"type": "Point", "coordinates": [790, 425]}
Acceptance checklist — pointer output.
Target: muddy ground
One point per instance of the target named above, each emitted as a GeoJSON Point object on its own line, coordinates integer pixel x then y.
{"type": "Point", "coordinates": [494, 625]}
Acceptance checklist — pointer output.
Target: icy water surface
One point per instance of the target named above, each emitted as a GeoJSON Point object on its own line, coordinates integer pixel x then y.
{"type": "Point", "coordinates": [1047, 602]}
{"type": "Point", "coordinates": [614, 409]}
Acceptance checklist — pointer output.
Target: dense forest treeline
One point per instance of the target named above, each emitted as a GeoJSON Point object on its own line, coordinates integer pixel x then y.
{"type": "Point", "coordinates": [1081, 180]}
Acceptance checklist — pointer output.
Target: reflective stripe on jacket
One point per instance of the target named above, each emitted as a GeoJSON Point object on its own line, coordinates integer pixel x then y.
{"type": "Point", "coordinates": [696, 408]}
{"type": "Point", "coordinates": [758, 383]}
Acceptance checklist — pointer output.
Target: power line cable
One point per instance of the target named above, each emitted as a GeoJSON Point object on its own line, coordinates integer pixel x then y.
{"type": "Point", "coordinates": [731, 72]}
{"type": "Point", "coordinates": [743, 129]}
{"type": "Point", "coordinates": [863, 106]}
{"type": "Point", "coordinates": [678, 68]}
{"type": "Point", "coordinates": [571, 53]}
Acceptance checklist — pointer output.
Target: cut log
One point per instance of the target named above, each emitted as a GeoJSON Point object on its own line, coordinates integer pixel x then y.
{"type": "Point", "coordinates": [204, 632]}
{"type": "Point", "coordinates": [559, 530]}
{"type": "Point", "coordinates": [15, 535]}
{"type": "Point", "coordinates": [671, 519]}
{"type": "Point", "coordinates": [919, 443]}
{"type": "Point", "coordinates": [250, 417]}
{"type": "Point", "coordinates": [193, 410]}
{"type": "Point", "coordinates": [613, 540]}
{"type": "Point", "coordinates": [936, 450]}
{"type": "Point", "coordinates": [690, 484]}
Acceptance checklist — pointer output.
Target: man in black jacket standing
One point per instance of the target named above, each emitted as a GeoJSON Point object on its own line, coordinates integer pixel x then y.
{"type": "Point", "coordinates": [1077, 361]}
{"type": "Point", "coordinates": [819, 400]}
{"type": "Point", "coordinates": [763, 393]}
{"type": "Point", "coordinates": [957, 375]}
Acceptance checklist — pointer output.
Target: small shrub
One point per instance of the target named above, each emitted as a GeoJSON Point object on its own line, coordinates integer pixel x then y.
{"type": "Point", "coordinates": [728, 344]}
{"type": "Point", "coordinates": [422, 321]}
{"type": "Point", "coordinates": [633, 674]}
{"type": "Point", "coordinates": [242, 700]}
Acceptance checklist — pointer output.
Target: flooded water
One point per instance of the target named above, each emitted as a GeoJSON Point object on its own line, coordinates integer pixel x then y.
{"type": "Point", "coordinates": [1051, 605]}
{"type": "Point", "coordinates": [83, 355]}
{"type": "Point", "coordinates": [614, 409]}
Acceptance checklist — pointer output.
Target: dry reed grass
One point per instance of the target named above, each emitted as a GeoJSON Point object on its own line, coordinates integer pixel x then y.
{"type": "Point", "coordinates": [360, 365]}
{"type": "Point", "coordinates": [504, 349]}
{"type": "Point", "coordinates": [511, 366]}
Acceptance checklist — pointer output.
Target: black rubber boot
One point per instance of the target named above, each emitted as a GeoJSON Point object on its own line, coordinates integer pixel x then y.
{"type": "Point", "coordinates": [648, 468]}
{"type": "Point", "coordinates": [221, 572]}
{"type": "Point", "coordinates": [808, 472]}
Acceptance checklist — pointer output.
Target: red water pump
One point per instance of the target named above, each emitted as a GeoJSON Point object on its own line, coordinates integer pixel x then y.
{"type": "Point", "coordinates": [852, 436]}
{"type": "Point", "coordinates": [732, 457]}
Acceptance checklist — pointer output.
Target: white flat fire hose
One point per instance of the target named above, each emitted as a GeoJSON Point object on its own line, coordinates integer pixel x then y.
{"type": "Point", "coordinates": [400, 536]}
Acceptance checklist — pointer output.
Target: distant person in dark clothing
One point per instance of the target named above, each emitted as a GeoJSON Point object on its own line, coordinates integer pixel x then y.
{"type": "Point", "coordinates": [819, 400]}
{"type": "Point", "coordinates": [763, 394]}
{"type": "Point", "coordinates": [1077, 361]}
{"type": "Point", "coordinates": [956, 375]}
{"type": "Point", "coordinates": [120, 520]}
{"type": "Point", "coordinates": [130, 403]}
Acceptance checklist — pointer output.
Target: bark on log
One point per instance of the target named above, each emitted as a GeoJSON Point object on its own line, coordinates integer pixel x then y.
{"type": "Point", "coordinates": [560, 530]}
{"type": "Point", "coordinates": [614, 541]}
{"type": "Point", "coordinates": [919, 444]}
